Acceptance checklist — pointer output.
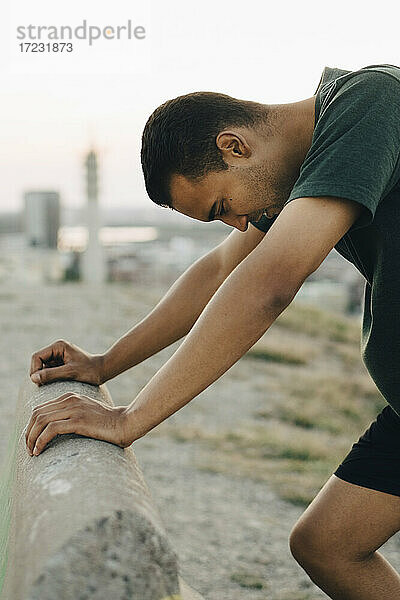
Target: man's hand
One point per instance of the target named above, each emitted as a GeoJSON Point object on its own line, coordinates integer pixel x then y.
{"type": "Point", "coordinates": [62, 360]}
{"type": "Point", "coordinates": [75, 413]}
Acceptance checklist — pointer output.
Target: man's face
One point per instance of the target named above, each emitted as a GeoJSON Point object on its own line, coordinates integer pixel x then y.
{"type": "Point", "coordinates": [263, 165]}
{"type": "Point", "coordinates": [235, 196]}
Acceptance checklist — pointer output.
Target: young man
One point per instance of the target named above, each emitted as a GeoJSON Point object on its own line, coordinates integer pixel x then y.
{"type": "Point", "coordinates": [308, 176]}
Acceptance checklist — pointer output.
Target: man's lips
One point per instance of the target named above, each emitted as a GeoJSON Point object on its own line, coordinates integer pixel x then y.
{"type": "Point", "coordinates": [273, 213]}
{"type": "Point", "coordinates": [257, 216]}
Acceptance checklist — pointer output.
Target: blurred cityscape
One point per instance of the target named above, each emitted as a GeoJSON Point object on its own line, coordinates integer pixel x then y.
{"type": "Point", "coordinates": [47, 241]}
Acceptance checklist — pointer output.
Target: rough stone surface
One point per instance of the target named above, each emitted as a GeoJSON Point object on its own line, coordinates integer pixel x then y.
{"type": "Point", "coordinates": [83, 524]}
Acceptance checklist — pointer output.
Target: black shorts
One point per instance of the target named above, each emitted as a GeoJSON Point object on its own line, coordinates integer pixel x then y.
{"type": "Point", "coordinates": [374, 461]}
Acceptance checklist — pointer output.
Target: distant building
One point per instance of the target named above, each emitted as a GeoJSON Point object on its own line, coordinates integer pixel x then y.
{"type": "Point", "coordinates": [42, 218]}
{"type": "Point", "coordinates": [93, 267]}
{"type": "Point", "coordinates": [11, 222]}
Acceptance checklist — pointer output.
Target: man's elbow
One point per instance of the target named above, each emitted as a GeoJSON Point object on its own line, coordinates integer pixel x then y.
{"type": "Point", "coordinates": [278, 300]}
{"type": "Point", "coordinates": [280, 289]}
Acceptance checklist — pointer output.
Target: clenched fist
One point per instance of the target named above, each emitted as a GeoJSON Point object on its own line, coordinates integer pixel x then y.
{"type": "Point", "coordinates": [63, 360]}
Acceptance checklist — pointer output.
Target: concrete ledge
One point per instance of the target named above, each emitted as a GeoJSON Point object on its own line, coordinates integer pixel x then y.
{"type": "Point", "coordinates": [82, 521]}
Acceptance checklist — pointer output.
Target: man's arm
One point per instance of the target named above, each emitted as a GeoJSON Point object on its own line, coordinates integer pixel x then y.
{"type": "Point", "coordinates": [244, 307]}
{"type": "Point", "coordinates": [168, 322]}
{"type": "Point", "coordinates": [179, 309]}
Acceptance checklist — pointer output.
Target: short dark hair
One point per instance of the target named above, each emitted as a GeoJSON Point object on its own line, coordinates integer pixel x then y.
{"type": "Point", "coordinates": [179, 138]}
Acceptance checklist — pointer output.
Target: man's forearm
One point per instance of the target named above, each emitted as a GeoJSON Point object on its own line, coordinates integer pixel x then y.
{"type": "Point", "coordinates": [232, 322]}
{"type": "Point", "coordinates": [169, 321]}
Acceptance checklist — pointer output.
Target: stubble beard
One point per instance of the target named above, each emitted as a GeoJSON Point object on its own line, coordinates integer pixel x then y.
{"type": "Point", "coordinates": [267, 186]}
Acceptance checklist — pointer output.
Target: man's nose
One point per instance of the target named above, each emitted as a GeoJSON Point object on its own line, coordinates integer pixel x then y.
{"type": "Point", "coordinates": [237, 221]}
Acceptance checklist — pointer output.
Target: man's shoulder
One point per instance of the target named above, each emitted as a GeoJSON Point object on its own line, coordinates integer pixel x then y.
{"type": "Point", "coordinates": [361, 90]}
{"type": "Point", "coordinates": [373, 79]}
{"type": "Point", "coordinates": [391, 71]}
{"type": "Point", "coordinates": [339, 76]}
{"type": "Point", "coordinates": [364, 81]}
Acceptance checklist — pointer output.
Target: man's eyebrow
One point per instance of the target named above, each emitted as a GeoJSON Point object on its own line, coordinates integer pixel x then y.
{"type": "Point", "coordinates": [211, 215]}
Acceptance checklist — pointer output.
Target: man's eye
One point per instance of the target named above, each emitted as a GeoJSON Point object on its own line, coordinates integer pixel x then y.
{"type": "Point", "coordinates": [222, 210]}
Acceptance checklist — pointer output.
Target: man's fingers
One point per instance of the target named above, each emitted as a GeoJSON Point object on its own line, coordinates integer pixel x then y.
{"type": "Point", "coordinates": [50, 431]}
{"type": "Point", "coordinates": [41, 356]}
{"type": "Point", "coordinates": [50, 406]}
{"type": "Point", "coordinates": [52, 374]}
{"type": "Point", "coordinates": [54, 351]}
{"type": "Point", "coordinates": [38, 422]}
{"type": "Point", "coordinates": [36, 363]}
{"type": "Point", "coordinates": [78, 414]}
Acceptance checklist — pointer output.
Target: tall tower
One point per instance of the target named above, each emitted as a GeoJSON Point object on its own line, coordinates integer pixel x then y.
{"type": "Point", "coordinates": [93, 258]}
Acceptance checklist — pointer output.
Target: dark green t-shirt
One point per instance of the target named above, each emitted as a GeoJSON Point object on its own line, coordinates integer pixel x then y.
{"type": "Point", "coordinates": [355, 154]}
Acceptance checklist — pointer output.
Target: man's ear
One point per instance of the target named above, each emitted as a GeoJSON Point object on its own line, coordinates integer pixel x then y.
{"type": "Point", "coordinates": [232, 145]}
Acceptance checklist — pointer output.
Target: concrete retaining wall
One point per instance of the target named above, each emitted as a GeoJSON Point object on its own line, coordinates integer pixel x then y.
{"type": "Point", "coordinates": [82, 524]}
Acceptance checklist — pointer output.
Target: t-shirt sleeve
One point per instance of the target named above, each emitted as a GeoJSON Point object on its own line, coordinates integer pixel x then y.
{"type": "Point", "coordinates": [355, 146]}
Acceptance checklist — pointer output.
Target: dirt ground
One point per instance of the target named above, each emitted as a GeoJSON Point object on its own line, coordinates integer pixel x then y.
{"type": "Point", "coordinates": [230, 533]}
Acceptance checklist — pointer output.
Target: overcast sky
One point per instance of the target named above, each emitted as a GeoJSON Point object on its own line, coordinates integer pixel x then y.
{"type": "Point", "coordinates": [53, 105]}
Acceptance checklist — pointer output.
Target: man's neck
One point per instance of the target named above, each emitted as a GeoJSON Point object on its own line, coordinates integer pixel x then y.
{"type": "Point", "coordinates": [295, 123]}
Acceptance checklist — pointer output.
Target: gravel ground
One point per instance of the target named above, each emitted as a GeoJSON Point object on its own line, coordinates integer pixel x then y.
{"type": "Point", "coordinates": [229, 532]}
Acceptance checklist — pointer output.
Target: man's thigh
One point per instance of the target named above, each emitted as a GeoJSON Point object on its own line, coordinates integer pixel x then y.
{"type": "Point", "coordinates": [346, 520]}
